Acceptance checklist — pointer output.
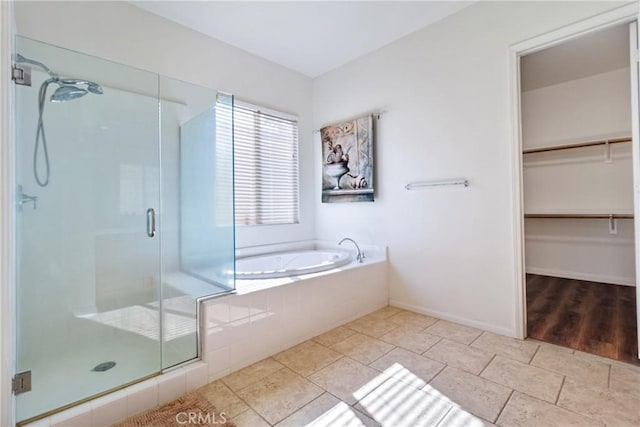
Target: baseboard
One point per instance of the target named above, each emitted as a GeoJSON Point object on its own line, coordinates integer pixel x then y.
{"type": "Point", "coordinates": [602, 278]}
{"type": "Point", "coordinates": [456, 319]}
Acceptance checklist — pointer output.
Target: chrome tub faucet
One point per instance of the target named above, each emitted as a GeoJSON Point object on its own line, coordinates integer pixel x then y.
{"type": "Point", "coordinates": [360, 255]}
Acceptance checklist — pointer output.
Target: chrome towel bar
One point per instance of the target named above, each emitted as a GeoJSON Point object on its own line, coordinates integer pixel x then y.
{"type": "Point", "coordinates": [421, 184]}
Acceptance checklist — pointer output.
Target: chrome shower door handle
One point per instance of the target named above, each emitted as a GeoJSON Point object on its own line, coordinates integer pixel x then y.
{"type": "Point", "coordinates": [151, 222]}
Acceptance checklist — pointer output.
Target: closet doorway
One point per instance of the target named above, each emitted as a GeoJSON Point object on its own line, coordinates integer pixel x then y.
{"type": "Point", "coordinates": [578, 194]}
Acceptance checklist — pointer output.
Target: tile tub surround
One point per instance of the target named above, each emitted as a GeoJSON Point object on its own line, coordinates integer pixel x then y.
{"type": "Point", "coordinates": [268, 316]}
{"type": "Point", "coordinates": [317, 382]}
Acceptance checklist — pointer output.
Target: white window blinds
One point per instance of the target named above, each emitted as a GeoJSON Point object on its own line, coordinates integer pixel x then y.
{"type": "Point", "coordinates": [266, 166]}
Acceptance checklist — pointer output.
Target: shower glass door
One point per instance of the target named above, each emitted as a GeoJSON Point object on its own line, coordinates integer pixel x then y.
{"type": "Point", "coordinates": [88, 291]}
{"type": "Point", "coordinates": [197, 209]}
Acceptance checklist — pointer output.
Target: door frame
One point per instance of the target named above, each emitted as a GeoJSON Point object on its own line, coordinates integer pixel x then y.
{"type": "Point", "coordinates": [622, 15]}
{"type": "Point", "coordinates": [7, 215]}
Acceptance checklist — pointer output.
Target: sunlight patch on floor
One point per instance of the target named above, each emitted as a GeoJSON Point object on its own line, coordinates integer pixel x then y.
{"type": "Point", "coordinates": [404, 399]}
{"type": "Point", "coordinates": [339, 415]}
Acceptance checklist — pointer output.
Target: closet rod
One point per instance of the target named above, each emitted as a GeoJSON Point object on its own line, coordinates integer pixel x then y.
{"type": "Point", "coordinates": [577, 145]}
{"type": "Point", "coordinates": [581, 216]}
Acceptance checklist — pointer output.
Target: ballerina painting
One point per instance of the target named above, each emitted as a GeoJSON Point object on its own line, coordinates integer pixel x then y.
{"type": "Point", "coordinates": [347, 161]}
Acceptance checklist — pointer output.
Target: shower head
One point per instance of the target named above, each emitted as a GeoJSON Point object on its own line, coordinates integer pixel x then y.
{"type": "Point", "coordinates": [91, 86]}
{"type": "Point", "coordinates": [68, 90]}
{"type": "Point", "coordinates": [95, 88]}
{"type": "Point", "coordinates": [68, 93]}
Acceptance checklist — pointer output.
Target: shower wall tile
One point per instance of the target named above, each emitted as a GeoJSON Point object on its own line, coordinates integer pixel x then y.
{"type": "Point", "coordinates": [109, 410]}
{"type": "Point", "coordinates": [239, 354]}
{"type": "Point", "coordinates": [45, 422]}
{"type": "Point", "coordinates": [265, 336]}
{"type": "Point", "coordinates": [239, 306]}
{"type": "Point", "coordinates": [275, 297]}
{"type": "Point", "coordinates": [216, 337]}
{"type": "Point", "coordinates": [171, 386]}
{"type": "Point", "coordinates": [259, 305]}
{"type": "Point", "coordinates": [216, 313]}
{"type": "Point", "coordinates": [77, 416]}
{"type": "Point", "coordinates": [218, 361]}
{"type": "Point", "coordinates": [142, 396]}
{"type": "Point", "coordinates": [197, 375]}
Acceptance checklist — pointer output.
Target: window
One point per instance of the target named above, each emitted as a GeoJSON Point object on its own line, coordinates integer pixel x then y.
{"type": "Point", "coordinates": [266, 166]}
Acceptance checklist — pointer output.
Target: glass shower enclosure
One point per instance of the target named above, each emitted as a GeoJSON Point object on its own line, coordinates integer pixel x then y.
{"type": "Point", "coordinates": [124, 220]}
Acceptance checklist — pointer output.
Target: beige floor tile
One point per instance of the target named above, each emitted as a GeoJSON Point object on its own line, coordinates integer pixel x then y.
{"type": "Point", "coordinates": [348, 380]}
{"type": "Point", "coordinates": [223, 398]}
{"type": "Point", "coordinates": [411, 337]}
{"type": "Point", "coordinates": [252, 374]}
{"type": "Point", "coordinates": [528, 379]}
{"type": "Point", "coordinates": [589, 356]}
{"type": "Point", "coordinates": [334, 336]}
{"type": "Point", "coordinates": [458, 417]}
{"type": "Point", "coordinates": [454, 332]}
{"type": "Point", "coordinates": [607, 361]}
{"type": "Point", "coordinates": [606, 405]}
{"type": "Point", "coordinates": [250, 418]}
{"type": "Point", "coordinates": [397, 404]}
{"type": "Point", "coordinates": [386, 312]}
{"type": "Point", "coordinates": [327, 411]}
{"type": "Point", "coordinates": [372, 326]}
{"type": "Point", "coordinates": [460, 356]}
{"type": "Point", "coordinates": [362, 348]}
{"type": "Point", "coordinates": [408, 367]}
{"type": "Point", "coordinates": [625, 380]}
{"type": "Point", "coordinates": [473, 394]}
{"type": "Point", "coordinates": [526, 411]}
{"type": "Point", "coordinates": [546, 344]}
{"type": "Point", "coordinates": [279, 395]}
{"type": "Point", "coordinates": [579, 369]}
{"type": "Point", "coordinates": [307, 358]}
{"type": "Point", "coordinates": [513, 348]}
{"type": "Point", "coordinates": [410, 318]}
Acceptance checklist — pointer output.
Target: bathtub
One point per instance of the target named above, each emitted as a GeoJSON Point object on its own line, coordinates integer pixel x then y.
{"type": "Point", "coordinates": [293, 263]}
{"type": "Point", "coordinates": [266, 316]}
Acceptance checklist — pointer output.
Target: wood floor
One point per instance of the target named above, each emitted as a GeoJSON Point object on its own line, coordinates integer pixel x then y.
{"type": "Point", "coordinates": [592, 317]}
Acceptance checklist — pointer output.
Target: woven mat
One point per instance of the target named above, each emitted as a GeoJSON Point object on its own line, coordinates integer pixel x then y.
{"type": "Point", "coordinates": [177, 413]}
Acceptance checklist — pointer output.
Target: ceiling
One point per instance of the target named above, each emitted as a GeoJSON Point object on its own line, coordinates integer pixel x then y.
{"type": "Point", "coordinates": [311, 37]}
{"type": "Point", "coordinates": [591, 54]}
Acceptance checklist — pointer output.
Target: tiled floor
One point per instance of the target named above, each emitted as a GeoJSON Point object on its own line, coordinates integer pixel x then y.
{"type": "Point", "coordinates": [398, 368]}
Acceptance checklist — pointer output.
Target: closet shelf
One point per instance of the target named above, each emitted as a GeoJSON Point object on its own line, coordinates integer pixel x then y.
{"type": "Point", "coordinates": [577, 145]}
{"type": "Point", "coordinates": [580, 216]}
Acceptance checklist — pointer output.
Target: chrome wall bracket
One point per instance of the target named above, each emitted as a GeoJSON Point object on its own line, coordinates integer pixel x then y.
{"type": "Point", "coordinates": [25, 198]}
{"type": "Point", "coordinates": [21, 75]}
{"type": "Point", "coordinates": [21, 383]}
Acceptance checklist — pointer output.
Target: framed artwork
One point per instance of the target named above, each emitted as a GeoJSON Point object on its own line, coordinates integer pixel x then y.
{"type": "Point", "coordinates": [347, 161]}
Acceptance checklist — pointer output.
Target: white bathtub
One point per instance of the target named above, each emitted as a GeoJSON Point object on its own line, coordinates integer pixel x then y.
{"type": "Point", "coordinates": [294, 263]}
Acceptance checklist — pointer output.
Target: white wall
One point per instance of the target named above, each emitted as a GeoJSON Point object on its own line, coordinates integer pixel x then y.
{"type": "Point", "coordinates": [123, 33]}
{"type": "Point", "coordinates": [595, 107]}
{"type": "Point", "coordinates": [447, 91]}
{"type": "Point", "coordinates": [579, 180]}
{"type": "Point", "coordinates": [581, 249]}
